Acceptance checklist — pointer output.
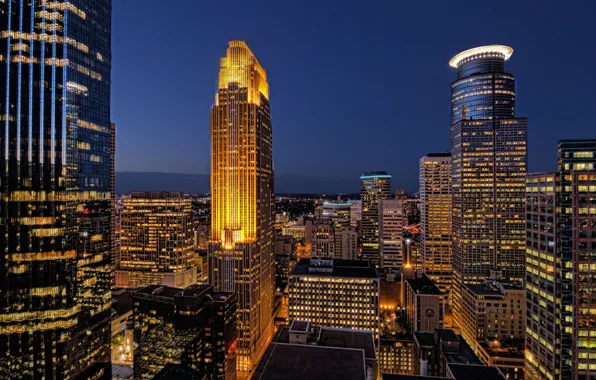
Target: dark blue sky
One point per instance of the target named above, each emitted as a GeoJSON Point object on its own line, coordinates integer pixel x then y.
{"type": "Point", "coordinates": [354, 86]}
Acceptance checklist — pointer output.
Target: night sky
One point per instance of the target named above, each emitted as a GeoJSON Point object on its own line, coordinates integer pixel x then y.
{"type": "Point", "coordinates": [354, 86]}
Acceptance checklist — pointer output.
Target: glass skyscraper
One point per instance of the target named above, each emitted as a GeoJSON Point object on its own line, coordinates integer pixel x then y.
{"type": "Point", "coordinates": [55, 181]}
{"type": "Point", "coordinates": [483, 90]}
{"type": "Point", "coordinates": [489, 165]}
{"type": "Point", "coordinates": [374, 186]}
{"type": "Point", "coordinates": [242, 203]}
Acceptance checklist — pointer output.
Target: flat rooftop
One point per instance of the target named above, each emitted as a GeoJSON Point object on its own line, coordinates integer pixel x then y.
{"type": "Point", "coordinates": [464, 356]}
{"type": "Point", "coordinates": [475, 372]}
{"type": "Point", "coordinates": [341, 268]}
{"type": "Point", "coordinates": [391, 376]}
{"type": "Point", "coordinates": [423, 285]}
{"type": "Point", "coordinates": [492, 289]}
{"type": "Point", "coordinates": [424, 338]}
{"type": "Point", "coordinates": [341, 338]}
{"type": "Point", "coordinates": [297, 362]}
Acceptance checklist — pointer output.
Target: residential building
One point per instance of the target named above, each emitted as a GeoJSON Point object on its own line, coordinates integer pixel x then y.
{"type": "Point", "coordinates": [194, 327]}
{"type": "Point", "coordinates": [156, 242]}
{"type": "Point", "coordinates": [424, 303]}
{"type": "Point", "coordinates": [303, 351]}
{"type": "Point", "coordinates": [489, 164]}
{"type": "Point", "coordinates": [435, 219]}
{"type": "Point", "coordinates": [56, 185]}
{"type": "Point", "coordinates": [335, 293]}
{"type": "Point", "coordinates": [242, 204]}
{"type": "Point", "coordinates": [374, 186]}
{"type": "Point", "coordinates": [391, 229]}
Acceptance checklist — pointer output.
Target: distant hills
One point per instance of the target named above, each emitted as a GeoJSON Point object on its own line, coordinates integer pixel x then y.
{"type": "Point", "coordinates": [199, 183]}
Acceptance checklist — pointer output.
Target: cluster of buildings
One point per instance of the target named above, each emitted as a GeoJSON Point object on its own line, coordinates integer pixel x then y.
{"type": "Point", "coordinates": [497, 284]}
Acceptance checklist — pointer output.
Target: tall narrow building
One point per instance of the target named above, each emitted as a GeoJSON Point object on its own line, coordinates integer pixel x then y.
{"type": "Point", "coordinates": [55, 180]}
{"type": "Point", "coordinates": [242, 203]}
{"type": "Point", "coordinates": [489, 163]}
{"type": "Point", "coordinates": [374, 186]}
{"type": "Point", "coordinates": [392, 221]}
{"type": "Point", "coordinates": [435, 218]}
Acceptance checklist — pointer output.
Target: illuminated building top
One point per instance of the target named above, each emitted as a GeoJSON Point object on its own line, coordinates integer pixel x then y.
{"type": "Point", "coordinates": [506, 51]}
{"type": "Point", "coordinates": [240, 66]}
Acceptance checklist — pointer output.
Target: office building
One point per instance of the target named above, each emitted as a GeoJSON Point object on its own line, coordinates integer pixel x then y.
{"type": "Point", "coordinates": [494, 324]}
{"type": "Point", "coordinates": [285, 259]}
{"type": "Point", "coordinates": [435, 218]}
{"type": "Point", "coordinates": [349, 244]}
{"type": "Point", "coordinates": [397, 355]}
{"type": "Point", "coordinates": [435, 350]}
{"type": "Point", "coordinates": [391, 229]}
{"type": "Point", "coordinates": [304, 351]}
{"type": "Point", "coordinates": [489, 163]}
{"type": "Point", "coordinates": [543, 281]}
{"type": "Point", "coordinates": [242, 204]}
{"type": "Point", "coordinates": [424, 303]}
{"type": "Point", "coordinates": [355, 212]}
{"type": "Point", "coordinates": [156, 241]}
{"type": "Point", "coordinates": [194, 327]}
{"type": "Point", "coordinates": [335, 293]}
{"type": "Point", "coordinates": [560, 334]}
{"type": "Point", "coordinates": [56, 209]}
{"type": "Point", "coordinates": [337, 212]}
{"type": "Point", "coordinates": [323, 239]}
{"type": "Point", "coordinates": [374, 186]}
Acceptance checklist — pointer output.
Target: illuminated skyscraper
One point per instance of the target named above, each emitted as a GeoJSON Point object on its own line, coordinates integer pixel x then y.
{"type": "Point", "coordinates": [156, 241]}
{"type": "Point", "coordinates": [392, 221]}
{"type": "Point", "coordinates": [489, 160]}
{"type": "Point", "coordinates": [561, 242]}
{"type": "Point", "coordinates": [242, 203]}
{"type": "Point", "coordinates": [435, 218]}
{"type": "Point", "coordinates": [374, 186]}
{"type": "Point", "coordinates": [55, 180]}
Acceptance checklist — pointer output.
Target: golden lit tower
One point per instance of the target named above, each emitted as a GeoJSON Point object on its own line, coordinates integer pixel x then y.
{"type": "Point", "coordinates": [241, 257]}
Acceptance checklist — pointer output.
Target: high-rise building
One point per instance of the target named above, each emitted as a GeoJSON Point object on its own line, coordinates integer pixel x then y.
{"type": "Point", "coordinates": [543, 282]}
{"type": "Point", "coordinates": [242, 203]}
{"type": "Point", "coordinates": [374, 186]}
{"type": "Point", "coordinates": [435, 218]}
{"type": "Point", "coordinates": [156, 241]}
{"type": "Point", "coordinates": [194, 327]}
{"type": "Point", "coordinates": [489, 163]}
{"type": "Point", "coordinates": [55, 276]}
{"type": "Point", "coordinates": [335, 293]}
{"type": "Point", "coordinates": [391, 229]}
{"type": "Point", "coordinates": [115, 238]}
{"type": "Point", "coordinates": [560, 244]}
{"type": "Point", "coordinates": [355, 212]}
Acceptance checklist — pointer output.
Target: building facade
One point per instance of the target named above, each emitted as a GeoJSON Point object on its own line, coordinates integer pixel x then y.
{"type": "Point", "coordinates": [391, 230]}
{"type": "Point", "coordinates": [55, 216]}
{"type": "Point", "coordinates": [374, 186]}
{"type": "Point", "coordinates": [560, 266]}
{"type": "Point", "coordinates": [156, 240]}
{"type": "Point", "coordinates": [335, 293]}
{"type": "Point", "coordinates": [194, 327]}
{"type": "Point", "coordinates": [242, 204]}
{"type": "Point", "coordinates": [435, 218]}
{"type": "Point", "coordinates": [355, 212]}
{"type": "Point", "coordinates": [424, 304]}
{"type": "Point", "coordinates": [489, 165]}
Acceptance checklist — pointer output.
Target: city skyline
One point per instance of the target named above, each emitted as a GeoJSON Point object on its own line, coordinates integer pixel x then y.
{"type": "Point", "coordinates": [302, 58]}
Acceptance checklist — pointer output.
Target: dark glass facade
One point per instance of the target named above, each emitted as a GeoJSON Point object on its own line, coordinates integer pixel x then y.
{"type": "Point", "coordinates": [374, 186]}
{"type": "Point", "coordinates": [55, 182]}
{"type": "Point", "coordinates": [483, 90]}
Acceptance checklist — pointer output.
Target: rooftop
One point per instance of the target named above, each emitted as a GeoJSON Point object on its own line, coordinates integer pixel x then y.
{"type": "Point", "coordinates": [296, 362]}
{"type": "Point", "coordinates": [493, 287]}
{"type": "Point", "coordinates": [506, 51]}
{"type": "Point", "coordinates": [424, 338]}
{"type": "Point", "coordinates": [423, 285]}
{"type": "Point", "coordinates": [375, 175]}
{"type": "Point", "coordinates": [475, 372]}
{"type": "Point", "coordinates": [464, 356]}
{"type": "Point", "coordinates": [178, 372]}
{"type": "Point", "coordinates": [340, 268]}
{"type": "Point", "coordinates": [390, 376]}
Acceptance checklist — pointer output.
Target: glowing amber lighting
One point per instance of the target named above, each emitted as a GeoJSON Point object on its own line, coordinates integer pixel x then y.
{"type": "Point", "coordinates": [235, 128]}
